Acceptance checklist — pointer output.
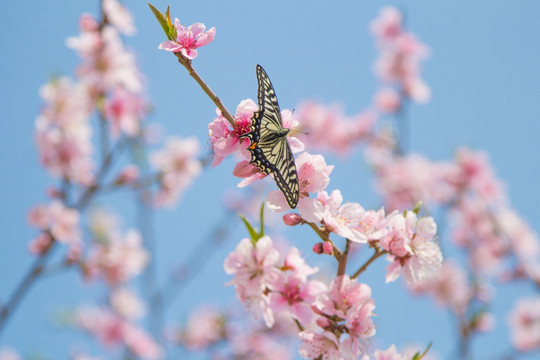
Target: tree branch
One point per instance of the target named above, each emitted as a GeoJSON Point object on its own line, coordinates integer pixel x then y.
{"type": "Point", "coordinates": [215, 99]}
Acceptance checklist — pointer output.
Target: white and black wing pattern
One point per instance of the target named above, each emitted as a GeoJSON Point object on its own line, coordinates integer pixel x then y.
{"type": "Point", "coordinates": [269, 148]}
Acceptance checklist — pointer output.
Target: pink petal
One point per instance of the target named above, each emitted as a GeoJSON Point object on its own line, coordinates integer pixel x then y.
{"type": "Point", "coordinates": [250, 180]}
{"type": "Point", "coordinates": [170, 46]}
{"type": "Point", "coordinates": [196, 29]}
{"type": "Point", "coordinates": [276, 201]}
{"type": "Point", "coordinates": [296, 144]}
{"type": "Point", "coordinates": [206, 38]}
{"type": "Point", "coordinates": [311, 209]}
{"type": "Point", "coordinates": [179, 27]}
{"type": "Point", "coordinates": [189, 53]}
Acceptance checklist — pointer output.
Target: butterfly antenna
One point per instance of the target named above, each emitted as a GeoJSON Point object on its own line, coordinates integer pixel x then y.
{"type": "Point", "coordinates": [299, 132]}
{"type": "Point", "coordinates": [296, 130]}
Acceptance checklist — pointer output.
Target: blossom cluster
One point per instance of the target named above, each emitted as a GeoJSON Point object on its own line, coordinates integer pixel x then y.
{"type": "Point", "coordinates": [326, 127]}
{"type": "Point", "coordinates": [63, 132]}
{"type": "Point", "coordinates": [111, 329]}
{"type": "Point", "coordinates": [398, 66]}
{"type": "Point", "coordinates": [270, 284]}
{"type": "Point", "coordinates": [116, 258]}
{"type": "Point", "coordinates": [56, 222]}
{"type": "Point", "coordinates": [179, 165]}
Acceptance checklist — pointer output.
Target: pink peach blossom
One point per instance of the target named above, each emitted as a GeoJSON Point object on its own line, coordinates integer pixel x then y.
{"type": "Point", "coordinates": [112, 330]}
{"type": "Point", "coordinates": [323, 346]}
{"type": "Point", "coordinates": [204, 327]}
{"type": "Point", "coordinates": [40, 243]}
{"type": "Point", "coordinates": [524, 323]}
{"type": "Point", "coordinates": [401, 55]}
{"type": "Point", "coordinates": [344, 294]}
{"type": "Point", "coordinates": [125, 111]}
{"type": "Point", "coordinates": [254, 268]}
{"type": "Point", "coordinates": [295, 295]}
{"type": "Point", "coordinates": [343, 220]}
{"type": "Point", "coordinates": [522, 239]}
{"type": "Point", "coordinates": [63, 134]}
{"type": "Point", "coordinates": [403, 181]}
{"type": "Point", "coordinates": [189, 39]}
{"type": "Point", "coordinates": [411, 247]}
{"type": "Point", "coordinates": [118, 259]}
{"type": "Point", "coordinates": [224, 139]}
{"type": "Point", "coordinates": [387, 100]}
{"type": "Point", "coordinates": [179, 166]}
{"type": "Point", "coordinates": [388, 25]}
{"type": "Point", "coordinates": [326, 128]}
{"type": "Point", "coordinates": [61, 222]}
{"type": "Point", "coordinates": [119, 16]}
{"type": "Point", "coordinates": [106, 63]}
{"type": "Point", "coordinates": [477, 174]}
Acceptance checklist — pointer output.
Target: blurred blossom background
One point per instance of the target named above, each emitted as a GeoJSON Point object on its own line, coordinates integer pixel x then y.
{"type": "Point", "coordinates": [481, 89]}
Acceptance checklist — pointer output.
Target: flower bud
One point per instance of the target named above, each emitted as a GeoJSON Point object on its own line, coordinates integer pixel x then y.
{"type": "Point", "coordinates": [318, 248]}
{"type": "Point", "coordinates": [324, 322]}
{"type": "Point", "coordinates": [327, 248]}
{"type": "Point", "coordinates": [292, 219]}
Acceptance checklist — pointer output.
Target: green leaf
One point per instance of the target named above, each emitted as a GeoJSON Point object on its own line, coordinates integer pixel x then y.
{"type": "Point", "coordinates": [419, 356]}
{"type": "Point", "coordinates": [172, 29]}
{"type": "Point", "coordinates": [261, 221]}
{"type": "Point", "coordinates": [251, 230]}
{"type": "Point", "coordinates": [416, 209]}
{"type": "Point", "coordinates": [163, 21]}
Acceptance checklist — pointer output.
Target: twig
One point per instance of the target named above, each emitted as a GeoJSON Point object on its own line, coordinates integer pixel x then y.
{"type": "Point", "coordinates": [322, 234]}
{"type": "Point", "coordinates": [32, 274]}
{"type": "Point", "coordinates": [342, 261]}
{"type": "Point", "coordinates": [55, 269]}
{"type": "Point", "coordinates": [36, 270]}
{"type": "Point", "coordinates": [215, 99]}
{"type": "Point", "coordinates": [378, 253]}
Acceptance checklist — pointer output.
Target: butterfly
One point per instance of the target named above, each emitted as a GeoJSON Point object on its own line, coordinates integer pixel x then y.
{"type": "Point", "coordinates": [269, 148]}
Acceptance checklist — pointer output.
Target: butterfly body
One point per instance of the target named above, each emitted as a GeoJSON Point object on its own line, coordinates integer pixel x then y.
{"type": "Point", "coordinates": [269, 147]}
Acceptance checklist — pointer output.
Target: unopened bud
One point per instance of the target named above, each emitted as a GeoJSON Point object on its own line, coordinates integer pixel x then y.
{"type": "Point", "coordinates": [327, 248]}
{"type": "Point", "coordinates": [323, 322]}
{"type": "Point", "coordinates": [318, 248]}
{"type": "Point", "coordinates": [292, 219]}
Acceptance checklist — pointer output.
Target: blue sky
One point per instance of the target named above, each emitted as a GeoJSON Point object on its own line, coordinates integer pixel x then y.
{"type": "Point", "coordinates": [483, 73]}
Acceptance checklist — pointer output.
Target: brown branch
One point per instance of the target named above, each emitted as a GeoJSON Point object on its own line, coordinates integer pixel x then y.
{"type": "Point", "coordinates": [215, 99]}
{"type": "Point", "coordinates": [342, 261]}
{"type": "Point", "coordinates": [378, 253]}
{"type": "Point", "coordinates": [32, 274]}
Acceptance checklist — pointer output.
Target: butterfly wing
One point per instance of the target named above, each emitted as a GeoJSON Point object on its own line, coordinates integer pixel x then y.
{"type": "Point", "coordinates": [270, 150]}
{"type": "Point", "coordinates": [285, 174]}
